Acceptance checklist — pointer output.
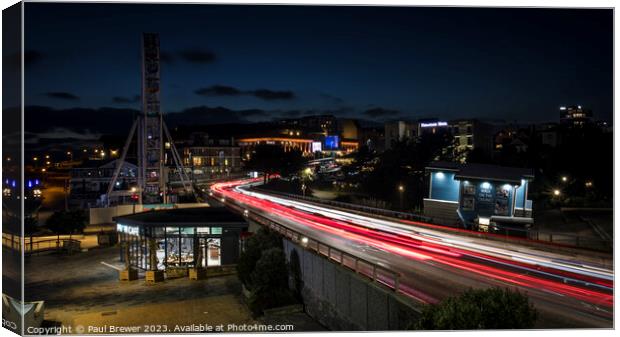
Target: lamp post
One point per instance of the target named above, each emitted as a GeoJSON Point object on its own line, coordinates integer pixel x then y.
{"type": "Point", "coordinates": [401, 189]}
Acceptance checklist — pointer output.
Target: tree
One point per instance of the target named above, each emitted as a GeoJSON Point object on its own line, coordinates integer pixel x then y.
{"type": "Point", "coordinates": [493, 308]}
{"type": "Point", "coordinates": [270, 281]}
{"type": "Point", "coordinates": [67, 222]}
{"type": "Point", "coordinates": [254, 246]}
{"type": "Point", "coordinates": [271, 159]}
{"type": "Point", "coordinates": [270, 271]}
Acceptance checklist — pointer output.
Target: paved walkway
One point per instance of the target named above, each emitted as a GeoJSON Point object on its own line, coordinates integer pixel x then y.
{"type": "Point", "coordinates": [79, 290]}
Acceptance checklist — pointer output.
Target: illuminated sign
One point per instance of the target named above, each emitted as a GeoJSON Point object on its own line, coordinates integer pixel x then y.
{"type": "Point", "coordinates": [331, 142]}
{"type": "Point", "coordinates": [131, 230]}
{"type": "Point", "coordinates": [433, 124]}
{"type": "Point", "coordinates": [317, 147]}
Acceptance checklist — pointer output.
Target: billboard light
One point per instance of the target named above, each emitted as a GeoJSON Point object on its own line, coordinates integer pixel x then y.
{"type": "Point", "coordinates": [433, 124]}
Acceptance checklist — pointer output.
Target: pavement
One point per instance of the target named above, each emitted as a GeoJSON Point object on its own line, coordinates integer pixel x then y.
{"type": "Point", "coordinates": [79, 290]}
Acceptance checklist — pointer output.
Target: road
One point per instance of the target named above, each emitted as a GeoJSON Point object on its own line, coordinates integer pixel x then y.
{"type": "Point", "coordinates": [434, 264]}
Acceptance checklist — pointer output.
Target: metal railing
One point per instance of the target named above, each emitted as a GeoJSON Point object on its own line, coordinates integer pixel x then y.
{"type": "Point", "coordinates": [31, 246]}
{"type": "Point", "coordinates": [503, 233]}
{"type": "Point", "coordinates": [355, 207]}
{"type": "Point", "coordinates": [374, 272]}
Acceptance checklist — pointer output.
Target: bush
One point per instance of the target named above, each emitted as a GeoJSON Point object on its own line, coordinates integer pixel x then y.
{"type": "Point", "coordinates": [270, 271]}
{"type": "Point", "coordinates": [493, 308]}
{"type": "Point", "coordinates": [270, 282]}
{"type": "Point", "coordinates": [67, 222]}
{"type": "Point", "coordinates": [253, 248]}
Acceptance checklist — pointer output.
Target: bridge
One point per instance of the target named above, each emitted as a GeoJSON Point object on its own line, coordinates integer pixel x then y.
{"type": "Point", "coordinates": [428, 264]}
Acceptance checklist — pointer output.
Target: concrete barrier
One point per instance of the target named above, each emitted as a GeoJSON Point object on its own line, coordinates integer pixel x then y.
{"type": "Point", "coordinates": [342, 300]}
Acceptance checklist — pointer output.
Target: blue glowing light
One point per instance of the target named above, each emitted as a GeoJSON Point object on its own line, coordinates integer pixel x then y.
{"type": "Point", "coordinates": [331, 142]}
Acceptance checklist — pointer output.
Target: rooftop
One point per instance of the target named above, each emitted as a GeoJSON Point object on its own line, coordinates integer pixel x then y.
{"type": "Point", "coordinates": [484, 171]}
{"type": "Point", "coordinates": [184, 217]}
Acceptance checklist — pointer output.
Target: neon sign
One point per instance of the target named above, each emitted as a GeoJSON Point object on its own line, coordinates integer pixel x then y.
{"type": "Point", "coordinates": [433, 124]}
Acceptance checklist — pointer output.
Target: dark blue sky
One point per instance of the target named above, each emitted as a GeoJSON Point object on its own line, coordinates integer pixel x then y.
{"type": "Point", "coordinates": [514, 64]}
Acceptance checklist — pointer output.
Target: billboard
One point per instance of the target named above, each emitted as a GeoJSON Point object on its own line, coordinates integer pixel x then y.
{"type": "Point", "coordinates": [317, 147]}
{"type": "Point", "coordinates": [332, 142]}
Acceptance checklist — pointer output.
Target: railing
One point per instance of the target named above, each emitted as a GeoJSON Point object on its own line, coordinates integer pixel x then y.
{"type": "Point", "coordinates": [373, 271]}
{"type": "Point", "coordinates": [505, 233]}
{"type": "Point", "coordinates": [355, 207]}
{"type": "Point", "coordinates": [32, 247]}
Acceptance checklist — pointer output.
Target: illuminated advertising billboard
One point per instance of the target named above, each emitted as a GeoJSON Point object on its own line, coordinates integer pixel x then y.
{"type": "Point", "coordinates": [332, 142]}
{"type": "Point", "coordinates": [317, 147]}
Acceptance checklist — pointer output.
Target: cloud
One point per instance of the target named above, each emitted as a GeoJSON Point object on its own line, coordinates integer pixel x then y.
{"type": "Point", "coordinates": [271, 95]}
{"type": "Point", "coordinates": [198, 56]}
{"type": "Point", "coordinates": [264, 94]}
{"type": "Point", "coordinates": [332, 99]}
{"type": "Point", "coordinates": [381, 113]}
{"type": "Point", "coordinates": [42, 119]}
{"type": "Point", "coordinates": [126, 100]}
{"type": "Point", "coordinates": [218, 90]}
{"type": "Point", "coordinates": [62, 95]}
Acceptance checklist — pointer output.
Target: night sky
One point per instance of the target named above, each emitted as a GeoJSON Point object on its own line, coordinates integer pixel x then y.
{"type": "Point", "coordinates": [366, 62]}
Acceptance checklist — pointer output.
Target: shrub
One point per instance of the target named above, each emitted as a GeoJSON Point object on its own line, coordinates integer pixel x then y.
{"type": "Point", "coordinates": [493, 308]}
{"type": "Point", "coordinates": [253, 248]}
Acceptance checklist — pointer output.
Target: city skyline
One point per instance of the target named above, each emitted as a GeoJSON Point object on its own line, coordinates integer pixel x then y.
{"type": "Point", "coordinates": [328, 60]}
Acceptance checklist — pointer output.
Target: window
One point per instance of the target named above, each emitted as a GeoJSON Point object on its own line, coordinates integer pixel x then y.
{"type": "Point", "coordinates": [216, 230]}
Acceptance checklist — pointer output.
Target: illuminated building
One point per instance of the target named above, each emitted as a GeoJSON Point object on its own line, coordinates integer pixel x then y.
{"type": "Point", "coordinates": [349, 129]}
{"type": "Point", "coordinates": [247, 145]}
{"type": "Point", "coordinates": [479, 196]}
{"type": "Point", "coordinates": [90, 181]}
{"type": "Point", "coordinates": [431, 126]}
{"type": "Point", "coordinates": [575, 116]}
{"type": "Point", "coordinates": [325, 124]}
{"type": "Point", "coordinates": [215, 158]}
{"type": "Point", "coordinates": [470, 134]}
{"type": "Point", "coordinates": [181, 238]}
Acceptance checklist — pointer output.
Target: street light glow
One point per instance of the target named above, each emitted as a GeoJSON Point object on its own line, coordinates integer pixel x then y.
{"type": "Point", "coordinates": [556, 192]}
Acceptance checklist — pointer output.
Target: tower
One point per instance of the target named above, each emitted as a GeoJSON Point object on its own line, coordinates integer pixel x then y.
{"type": "Point", "coordinates": [150, 130]}
{"type": "Point", "coordinates": [151, 177]}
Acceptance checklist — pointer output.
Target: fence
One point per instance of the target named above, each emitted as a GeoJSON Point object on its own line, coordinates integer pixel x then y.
{"type": "Point", "coordinates": [355, 207]}
{"type": "Point", "coordinates": [374, 272]}
{"type": "Point", "coordinates": [33, 246]}
{"type": "Point", "coordinates": [503, 233]}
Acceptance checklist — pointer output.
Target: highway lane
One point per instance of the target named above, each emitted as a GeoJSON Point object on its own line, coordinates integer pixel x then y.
{"type": "Point", "coordinates": [434, 265]}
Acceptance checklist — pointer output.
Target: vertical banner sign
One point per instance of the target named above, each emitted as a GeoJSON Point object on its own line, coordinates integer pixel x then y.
{"type": "Point", "coordinates": [151, 158]}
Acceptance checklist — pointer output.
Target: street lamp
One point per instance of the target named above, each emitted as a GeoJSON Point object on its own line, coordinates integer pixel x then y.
{"type": "Point", "coordinates": [401, 189]}
{"type": "Point", "coordinates": [556, 192]}
{"type": "Point", "coordinates": [564, 179]}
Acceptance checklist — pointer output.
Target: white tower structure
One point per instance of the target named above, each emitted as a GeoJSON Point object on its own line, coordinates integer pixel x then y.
{"type": "Point", "coordinates": [151, 130]}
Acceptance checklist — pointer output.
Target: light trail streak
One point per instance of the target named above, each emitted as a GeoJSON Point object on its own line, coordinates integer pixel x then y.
{"type": "Point", "coordinates": [445, 249]}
